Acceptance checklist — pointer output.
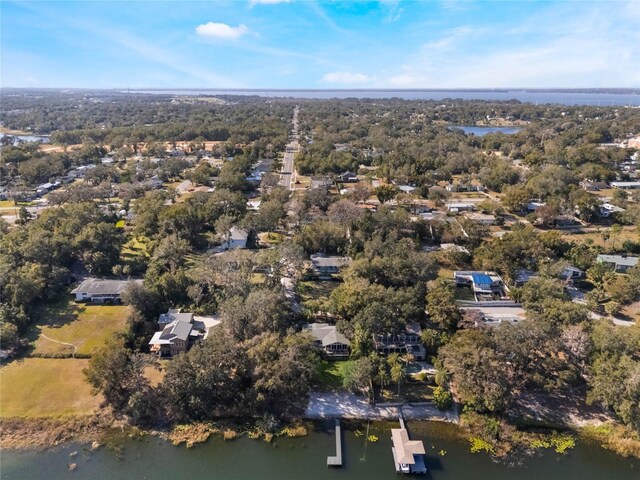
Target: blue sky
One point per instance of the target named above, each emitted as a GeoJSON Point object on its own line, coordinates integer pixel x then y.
{"type": "Point", "coordinates": [314, 44]}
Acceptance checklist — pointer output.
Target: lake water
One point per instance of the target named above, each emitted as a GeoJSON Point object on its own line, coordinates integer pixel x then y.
{"type": "Point", "coordinates": [26, 138]}
{"type": "Point", "coordinates": [483, 130]}
{"type": "Point", "coordinates": [529, 96]}
{"type": "Point", "coordinates": [305, 459]}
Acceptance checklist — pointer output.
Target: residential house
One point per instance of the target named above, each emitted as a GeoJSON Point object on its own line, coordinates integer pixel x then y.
{"type": "Point", "coordinates": [482, 219]}
{"type": "Point", "coordinates": [485, 285]}
{"type": "Point", "coordinates": [327, 265]}
{"type": "Point", "coordinates": [174, 315]}
{"type": "Point", "coordinates": [321, 182]}
{"type": "Point", "coordinates": [620, 263]}
{"type": "Point", "coordinates": [608, 209]}
{"type": "Point", "coordinates": [98, 290]}
{"type": "Point", "coordinates": [348, 177]}
{"type": "Point", "coordinates": [594, 186]}
{"type": "Point", "coordinates": [327, 338]}
{"type": "Point", "coordinates": [523, 275]}
{"type": "Point", "coordinates": [235, 238]}
{"type": "Point", "coordinates": [176, 337]}
{"type": "Point", "coordinates": [184, 187]}
{"type": "Point", "coordinates": [455, 207]}
{"type": "Point", "coordinates": [180, 331]}
{"type": "Point", "coordinates": [626, 185]}
{"type": "Point", "coordinates": [572, 273]}
{"type": "Point", "coordinates": [406, 342]}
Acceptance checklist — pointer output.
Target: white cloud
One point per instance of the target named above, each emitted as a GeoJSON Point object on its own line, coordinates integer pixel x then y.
{"type": "Point", "coordinates": [405, 80]}
{"type": "Point", "coordinates": [345, 77]}
{"type": "Point", "coordinates": [221, 31]}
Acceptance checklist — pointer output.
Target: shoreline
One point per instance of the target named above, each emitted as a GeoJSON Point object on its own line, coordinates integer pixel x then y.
{"type": "Point", "coordinates": [103, 429]}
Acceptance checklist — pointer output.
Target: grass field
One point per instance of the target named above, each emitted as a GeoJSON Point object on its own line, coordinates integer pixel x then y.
{"type": "Point", "coordinates": [84, 326]}
{"type": "Point", "coordinates": [331, 375]}
{"type": "Point", "coordinates": [42, 387]}
{"type": "Point", "coordinates": [628, 233]}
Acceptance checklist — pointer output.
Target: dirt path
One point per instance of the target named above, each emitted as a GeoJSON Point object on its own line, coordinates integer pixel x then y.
{"type": "Point", "coordinates": [75, 349]}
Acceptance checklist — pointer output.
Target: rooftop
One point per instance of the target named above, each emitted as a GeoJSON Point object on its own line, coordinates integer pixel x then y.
{"type": "Point", "coordinates": [98, 286]}
{"type": "Point", "coordinates": [405, 448]}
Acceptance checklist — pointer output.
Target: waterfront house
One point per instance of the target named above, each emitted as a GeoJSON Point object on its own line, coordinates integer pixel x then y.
{"type": "Point", "coordinates": [176, 337]}
{"type": "Point", "coordinates": [97, 290]}
{"type": "Point", "coordinates": [328, 339]}
{"type": "Point", "coordinates": [406, 342]}
{"type": "Point", "coordinates": [620, 263]}
{"type": "Point", "coordinates": [328, 265]}
{"type": "Point", "coordinates": [174, 315]}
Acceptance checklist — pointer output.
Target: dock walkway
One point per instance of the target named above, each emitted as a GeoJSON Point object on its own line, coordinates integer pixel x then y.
{"type": "Point", "coordinates": [336, 461]}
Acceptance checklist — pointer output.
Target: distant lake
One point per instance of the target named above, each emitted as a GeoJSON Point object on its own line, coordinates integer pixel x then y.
{"type": "Point", "coordinates": [306, 459]}
{"type": "Point", "coordinates": [529, 96]}
{"type": "Point", "coordinates": [480, 131]}
{"type": "Point", "coordinates": [26, 138]}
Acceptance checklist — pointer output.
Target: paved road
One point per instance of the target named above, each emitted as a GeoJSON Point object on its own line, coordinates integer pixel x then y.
{"type": "Point", "coordinates": [287, 174]}
{"type": "Point", "coordinates": [348, 405]}
{"type": "Point", "coordinates": [578, 297]}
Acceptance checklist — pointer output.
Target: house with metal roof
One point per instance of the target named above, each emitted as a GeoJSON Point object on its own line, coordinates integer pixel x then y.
{"type": "Point", "coordinates": [327, 265]}
{"type": "Point", "coordinates": [98, 290]}
{"type": "Point", "coordinates": [176, 337]}
{"type": "Point", "coordinates": [235, 238]}
{"type": "Point", "coordinates": [174, 315]}
{"type": "Point", "coordinates": [620, 263]}
{"type": "Point", "coordinates": [328, 339]}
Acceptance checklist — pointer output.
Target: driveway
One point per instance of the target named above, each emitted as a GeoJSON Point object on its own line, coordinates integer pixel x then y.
{"type": "Point", "coordinates": [348, 405]}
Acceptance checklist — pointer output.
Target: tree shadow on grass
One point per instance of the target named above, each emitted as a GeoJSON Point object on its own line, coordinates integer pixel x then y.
{"type": "Point", "coordinates": [51, 315]}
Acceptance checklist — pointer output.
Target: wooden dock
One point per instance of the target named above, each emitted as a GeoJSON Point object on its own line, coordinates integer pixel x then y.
{"type": "Point", "coordinates": [336, 461]}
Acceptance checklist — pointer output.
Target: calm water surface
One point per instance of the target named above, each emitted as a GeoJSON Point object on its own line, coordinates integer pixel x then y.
{"type": "Point", "coordinates": [483, 130]}
{"type": "Point", "coordinates": [541, 97]}
{"type": "Point", "coordinates": [305, 458]}
{"type": "Point", "coordinates": [26, 138]}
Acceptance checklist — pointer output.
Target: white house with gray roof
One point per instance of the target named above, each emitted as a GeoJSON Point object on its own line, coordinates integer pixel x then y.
{"type": "Point", "coordinates": [327, 265]}
{"type": "Point", "coordinates": [327, 338]}
{"type": "Point", "coordinates": [176, 337]}
{"type": "Point", "coordinates": [98, 290]}
{"type": "Point", "coordinates": [620, 263]}
{"type": "Point", "coordinates": [235, 238]}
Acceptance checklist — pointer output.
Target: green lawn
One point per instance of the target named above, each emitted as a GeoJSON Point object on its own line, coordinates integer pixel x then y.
{"type": "Point", "coordinates": [331, 374]}
{"type": "Point", "coordinates": [42, 387]}
{"type": "Point", "coordinates": [84, 326]}
{"type": "Point", "coordinates": [411, 391]}
{"type": "Point", "coordinates": [135, 246]}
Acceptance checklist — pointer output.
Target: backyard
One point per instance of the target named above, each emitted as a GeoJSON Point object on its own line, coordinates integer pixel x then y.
{"type": "Point", "coordinates": [40, 387]}
{"type": "Point", "coordinates": [65, 328]}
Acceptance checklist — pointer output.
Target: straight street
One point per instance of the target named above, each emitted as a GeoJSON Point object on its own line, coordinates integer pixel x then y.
{"type": "Point", "coordinates": [287, 174]}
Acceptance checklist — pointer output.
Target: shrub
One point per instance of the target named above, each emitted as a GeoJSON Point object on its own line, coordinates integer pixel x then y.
{"type": "Point", "coordinates": [442, 398]}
